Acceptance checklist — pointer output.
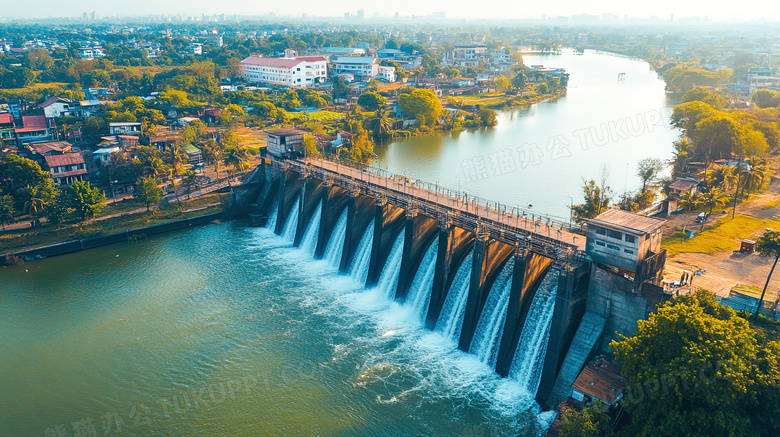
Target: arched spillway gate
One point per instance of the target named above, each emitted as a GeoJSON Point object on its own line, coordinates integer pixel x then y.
{"type": "Point", "coordinates": [511, 287]}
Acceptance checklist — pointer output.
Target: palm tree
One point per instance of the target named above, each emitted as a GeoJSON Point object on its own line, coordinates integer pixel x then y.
{"type": "Point", "coordinates": [768, 245]}
{"type": "Point", "coordinates": [175, 156]}
{"type": "Point", "coordinates": [714, 198]}
{"type": "Point", "coordinates": [753, 174]}
{"type": "Point", "coordinates": [189, 181]}
{"type": "Point", "coordinates": [153, 167]}
{"type": "Point", "coordinates": [35, 200]}
{"type": "Point", "coordinates": [381, 127]}
{"type": "Point", "coordinates": [721, 175]}
{"type": "Point", "coordinates": [236, 157]}
{"type": "Point", "coordinates": [212, 152]}
{"type": "Point", "coordinates": [689, 200]}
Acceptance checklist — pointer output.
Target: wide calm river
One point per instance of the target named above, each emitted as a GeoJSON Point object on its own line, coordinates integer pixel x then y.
{"type": "Point", "coordinates": [539, 155]}
{"type": "Point", "coordinates": [226, 330]}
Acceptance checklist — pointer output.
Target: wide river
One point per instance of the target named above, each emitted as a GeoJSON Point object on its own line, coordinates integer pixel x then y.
{"type": "Point", "coordinates": [539, 155]}
{"type": "Point", "coordinates": [226, 330]}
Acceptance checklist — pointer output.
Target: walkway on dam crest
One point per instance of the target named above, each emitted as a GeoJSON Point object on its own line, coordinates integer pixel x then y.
{"type": "Point", "coordinates": [491, 217]}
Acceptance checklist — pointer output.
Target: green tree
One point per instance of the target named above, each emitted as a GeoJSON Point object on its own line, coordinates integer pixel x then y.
{"type": "Point", "coordinates": [519, 80]}
{"type": "Point", "coordinates": [147, 192]}
{"type": "Point", "coordinates": [371, 100]}
{"type": "Point", "coordinates": [190, 180]}
{"type": "Point", "coordinates": [701, 94]}
{"type": "Point", "coordinates": [768, 245]}
{"type": "Point", "coordinates": [6, 210]}
{"type": "Point", "coordinates": [36, 198]}
{"type": "Point", "coordinates": [696, 368]}
{"type": "Point", "coordinates": [502, 83]}
{"type": "Point", "coordinates": [236, 157]}
{"type": "Point", "coordinates": [647, 169]}
{"type": "Point", "coordinates": [85, 200]}
{"type": "Point", "coordinates": [310, 145]}
{"type": "Point", "coordinates": [487, 117]}
{"type": "Point", "coordinates": [212, 152]}
{"type": "Point", "coordinates": [591, 421]}
{"type": "Point", "coordinates": [381, 128]}
{"type": "Point", "coordinates": [717, 137]}
{"type": "Point", "coordinates": [597, 200]}
{"type": "Point", "coordinates": [421, 101]}
{"type": "Point", "coordinates": [543, 88]}
{"type": "Point", "coordinates": [689, 201]}
{"type": "Point", "coordinates": [766, 98]}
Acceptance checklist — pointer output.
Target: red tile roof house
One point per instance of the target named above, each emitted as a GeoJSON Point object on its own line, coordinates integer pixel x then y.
{"type": "Point", "coordinates": [34, 128]}
{"type": "Point", "coordinates": [67, 168]}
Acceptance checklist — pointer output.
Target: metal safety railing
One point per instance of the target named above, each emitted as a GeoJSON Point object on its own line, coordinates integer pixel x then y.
{"type": "Point", "coordinates": [515, 227]}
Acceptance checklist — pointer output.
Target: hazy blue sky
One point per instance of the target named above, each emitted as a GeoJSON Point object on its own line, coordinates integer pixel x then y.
{"type": "Point", "coordinates": [718, 10]}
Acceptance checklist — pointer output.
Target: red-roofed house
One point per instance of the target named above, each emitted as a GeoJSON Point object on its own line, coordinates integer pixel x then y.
{"type": "Point", "coordinates": [302, 71]}
{"type": "Point", "coordinates": [55, 107]}
{"type": "Point", "coordinates": [67, 168]}
{"type": "Point", "coordinates": [7, 127]}
{"type": "Point", "coordinates": [35, 128]}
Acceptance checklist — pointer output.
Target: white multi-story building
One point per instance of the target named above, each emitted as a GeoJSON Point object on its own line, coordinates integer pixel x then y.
{"type": "Point", "coordinates": [363, 68]}
{"type": "Point", "coordinates": [303, 71]}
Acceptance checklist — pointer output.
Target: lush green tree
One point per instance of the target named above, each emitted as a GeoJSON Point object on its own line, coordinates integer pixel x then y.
{"type": "Point", "coordinates": [519, 80]}
{"type": "Point", "coordinates": [381, 128]}
{"type": "Point", "coordinates": [193, 132]}
{"type": "Point", "coordinates": [36, 198]}
{"type": "Point", "coordinates": [189, 181]}
{"type": "Point", "coordinates": [597, 200]}
{"type": "Point", "coordinates": [687, 115]}
{"type": "Point", "coordinates": [174, 157]}
{"type": "Point", "coordinates": [147, 191]}
{"type": "Point", "coordinates": [647, 169]}
{"type": "Point", "coordinates": [212, 152]}
{"type": "Point", "coordinates": [340, 88]}
{"type": "Point", "coordinates": [310, 145]}
{"type": "Point", "coordinates": [237, 158]}
{"type": "Point", "coordinates": [487, 117]}
{"type": "Point", "coordinates": [85, 200]}
{"type": "Point", "coordinates": [696, 368]}
{"type": "Point", "coordinates": [371, 100]}
{"type": "Point", "coordinates": [17, 173]}
{"type": "Point", "coordinates": [713, 198]}
{"type": "Point", "coordinates": [502, 83]}
{"type": "Point", "coordinates": [702, 94]}
{"type": "Point", "coordinates": [421, 101]}
{"type": "Point", "coordinates": [543, 88]}
{"type": "Point", "coordinates": [590, 421]}
{"type": "Point", "coordinates": [682, 155]}
{"type": "Point", "coordinates": [768, 245]}
{"type": "Point", "coordinates": [717, 137]}
{"type": "Point", "coordinates": [689, 201]}
{"type": "Point", "coordinates": [6, 210]}
{"type": "Point", "coordinates": [766, 98]}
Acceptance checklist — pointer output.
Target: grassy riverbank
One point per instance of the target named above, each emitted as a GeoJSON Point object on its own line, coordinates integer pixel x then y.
{"type": "Point", "coordinates": [23, 239]}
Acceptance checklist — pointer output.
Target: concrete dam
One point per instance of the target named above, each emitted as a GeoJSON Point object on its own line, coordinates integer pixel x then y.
{"type": "Point", "coordinates": [507, 286]}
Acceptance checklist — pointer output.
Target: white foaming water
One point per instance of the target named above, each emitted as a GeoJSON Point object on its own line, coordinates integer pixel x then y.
{"type": "Point", "coordinates": [529, 355]}
{"type": "Point", "coordinates": [388, 280]}
{"type": "Point", "coordinates": [490, 328]}
{"type": "Point", "coordinates": [359, 267]}
{"type": "Point", "coordinates": [424, 362]}
{"type": "Point", "coordinates": [288, 232]}
{"type": "Point", "coordinates": [451, 318]}
{"type": "Point", "coordinates": [272, 217]}
{"type": "Point", "coordinates": [309, 241]}
{"type": "Point", "coordinates": [419, 296]}
{"type": "Point", "coordinates": [335, 246]}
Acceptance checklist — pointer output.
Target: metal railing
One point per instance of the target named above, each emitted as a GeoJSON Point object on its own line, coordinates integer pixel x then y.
{"type": "Point", "coordinates": [518, 229]}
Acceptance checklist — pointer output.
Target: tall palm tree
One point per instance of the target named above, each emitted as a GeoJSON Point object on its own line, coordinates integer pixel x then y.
{"type": "Point", "coordinates": [35, 200]}
{"type": "Point", "coordinates": [689, 201]}
{"type": "Point", "coordinates": [153, 167]}
{"type": "Point", "coordinates": [236, 157]}
{"type": "Point", "coordinates": [767, 245]}
{"type": "Point", "coordinates": [721, 176]}
{"type": "Point", "coordinates": [213, 153]}
{"type": "Point", "coordinates": [753, 174]}
{"type": "Point", "coordinates": [189, 181]}
{"type": "Point", "coordinates": [714, 198]}
{"type": "Point", "coordinates": [381, 127]}
{"type": "Point", "coordinates": [175, 156]}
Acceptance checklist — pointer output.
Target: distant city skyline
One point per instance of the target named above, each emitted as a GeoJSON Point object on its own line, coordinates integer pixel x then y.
{"type": "Point", "coordinates": [662, 9]}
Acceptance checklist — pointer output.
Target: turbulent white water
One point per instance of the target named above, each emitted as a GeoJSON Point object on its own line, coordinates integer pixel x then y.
{"type": "Point", "coordinates": [490, 328]}
{"type": "Point", "coordinates": [451, 318]}
{"type": "Point", "coordinates": [309, 241]}
{"type": "Point", "coordinates": [419, 296]}
{"type": "Point", "coordinates": [529, 355]}
{"type": "Point", "coordinates": [272, 217]}
{"type": "Point", "coordinates": [359, 267]}
{"type": "Point", "coordinates": [288, 233]}
{"type": "Point", "coordinates": [335, 246]}
{"type": "Point", "coordinates": [388, 280]}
